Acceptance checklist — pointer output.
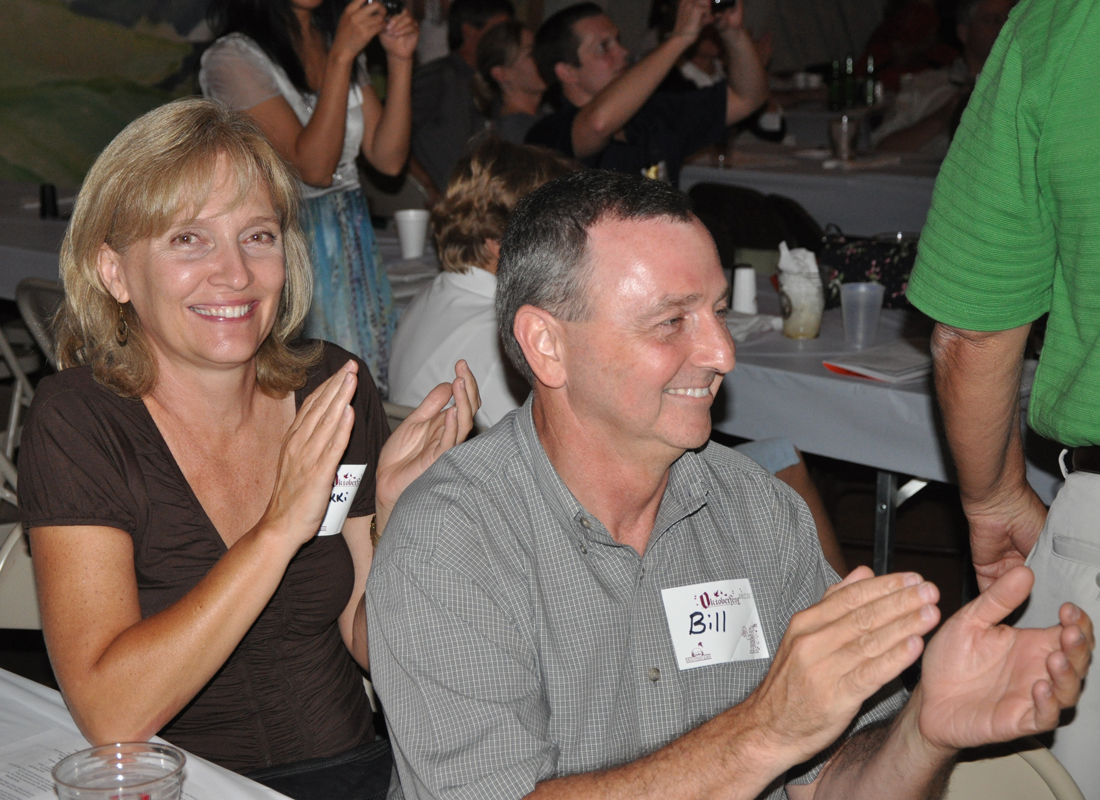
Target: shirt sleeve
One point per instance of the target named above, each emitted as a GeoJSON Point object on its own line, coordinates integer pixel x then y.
{"type": "Point", "coordinates": [457, 677]}
{"type": "Point", "coordinates": [238, 73]}
{"type": "Point", "coordinates": [700, 115]}
{"type": "Point", "coordinates": [987, 254]}
{"type": "Point", "coordinates": [73, 467]}
{"type": "Point", "coordinates": [555, 131]}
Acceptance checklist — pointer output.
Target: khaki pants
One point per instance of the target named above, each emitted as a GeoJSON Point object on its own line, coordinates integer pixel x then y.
{"type": "Point", "coordinates": [1066, 562]}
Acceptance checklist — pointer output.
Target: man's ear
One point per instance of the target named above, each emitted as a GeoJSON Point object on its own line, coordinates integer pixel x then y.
{"type": "Point", "coordinates": [540, 337]}
{"type": "Point", "coordinates": [109, 266]}
{"type": "Point", "coordinates": [962, 30]}
{"type": "Point", "coordinates": [498, 74]}
{"type": "Point", "coordinates": [566, 73]}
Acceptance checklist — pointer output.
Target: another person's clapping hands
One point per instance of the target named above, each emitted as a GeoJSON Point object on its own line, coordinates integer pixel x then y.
{"type": "Point", "coordinates": [428, 432]}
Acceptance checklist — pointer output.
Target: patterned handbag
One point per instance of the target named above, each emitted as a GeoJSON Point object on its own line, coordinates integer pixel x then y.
{"type": "Point", "coordinates": [887, 259]}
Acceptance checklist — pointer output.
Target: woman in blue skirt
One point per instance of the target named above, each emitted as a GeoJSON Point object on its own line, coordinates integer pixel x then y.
{"type": "Point", "coordinates": [297, 67]}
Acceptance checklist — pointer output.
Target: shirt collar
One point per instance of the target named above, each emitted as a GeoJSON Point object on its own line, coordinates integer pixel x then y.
{"type": "Point", "coordinates": [689, 483]}
{"type": "Point", "coordinates": [475, 279]}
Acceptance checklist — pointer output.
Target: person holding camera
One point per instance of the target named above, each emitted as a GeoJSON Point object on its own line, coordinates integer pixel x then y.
{"type": "Point", "coordinates": [613, 117]}
{"type": "Point", "coordinates": [297, 68]}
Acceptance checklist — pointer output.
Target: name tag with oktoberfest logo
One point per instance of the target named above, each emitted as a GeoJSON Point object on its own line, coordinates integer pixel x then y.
{"type": "Point", "coordinates": [714, 623]}
{"type": "Point", "coordinates": [344, 487]}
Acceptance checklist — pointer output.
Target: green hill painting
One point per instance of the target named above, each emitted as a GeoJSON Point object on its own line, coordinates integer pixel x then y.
{"type": "Point", "coordinates": [72, 75]}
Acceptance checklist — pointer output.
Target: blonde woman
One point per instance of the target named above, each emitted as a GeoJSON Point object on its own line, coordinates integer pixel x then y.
{"type": "Point", "coordinates": [177, 475]}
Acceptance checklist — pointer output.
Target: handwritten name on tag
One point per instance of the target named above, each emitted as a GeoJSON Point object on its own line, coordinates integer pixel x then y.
{"type": "Point", "coordinates": [344, 488]}
{"type": "Point", "coordinates": [714, 623]}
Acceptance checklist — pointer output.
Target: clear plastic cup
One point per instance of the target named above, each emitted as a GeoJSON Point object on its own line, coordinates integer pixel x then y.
{"type": "Point", "coordinates": [126, 771]}
{"type": "Point", "coordinates": [842, 133]}
{"type": "Point", "coordinates": [861, 305]}
{"type": "Point", "coordinates": [412, 231]}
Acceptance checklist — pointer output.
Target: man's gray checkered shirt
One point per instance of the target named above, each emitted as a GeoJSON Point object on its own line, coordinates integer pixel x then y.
{"type": "Point", "coordinates": [512, 640]}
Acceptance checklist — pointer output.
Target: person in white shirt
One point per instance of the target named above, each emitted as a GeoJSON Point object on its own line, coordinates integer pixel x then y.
{"type": "Point", "coordinates": [453, 317]}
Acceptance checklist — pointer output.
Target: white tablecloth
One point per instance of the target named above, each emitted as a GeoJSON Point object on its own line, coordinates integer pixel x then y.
{"type": "Point", "coordinates": [865, 201]}
{"type": "Point", "coordinates": [36, 731]}
{"type": "Point", "coordinates": [779, 388]}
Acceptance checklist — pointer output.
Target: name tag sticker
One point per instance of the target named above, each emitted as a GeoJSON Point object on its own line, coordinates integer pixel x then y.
{"type": "Point", "coordinates": [714, 623]}
{"type": "Point", "coordinates": [344, 487]}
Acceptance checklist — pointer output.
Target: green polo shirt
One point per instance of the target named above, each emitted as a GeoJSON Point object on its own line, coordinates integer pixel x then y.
{"type": "Point", "coordinates": [1014, 228]}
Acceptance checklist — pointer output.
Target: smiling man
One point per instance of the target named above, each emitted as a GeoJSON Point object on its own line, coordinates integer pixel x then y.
{"type": "Point", "coordinates": [591, 600]}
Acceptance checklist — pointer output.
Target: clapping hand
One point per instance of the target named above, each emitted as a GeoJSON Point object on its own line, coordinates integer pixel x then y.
{"type": "Point", "coordinates": [427, 433]}
{"type": "Point", "coordinates": [400, 35]}
{"type": "Point", "coordinates": [984, 682]}
{"type": "Point", "coordinates": [311, 455]}
{"type": "Point", "coordinates": [838, 653]}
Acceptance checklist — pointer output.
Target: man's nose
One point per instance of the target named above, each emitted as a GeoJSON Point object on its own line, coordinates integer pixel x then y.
{"type": "Point", "coordinates": [716, 345]}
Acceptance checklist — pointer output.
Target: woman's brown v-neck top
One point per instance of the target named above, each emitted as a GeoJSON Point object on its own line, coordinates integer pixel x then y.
{"type": "Point", "coordinates": [290, 690]}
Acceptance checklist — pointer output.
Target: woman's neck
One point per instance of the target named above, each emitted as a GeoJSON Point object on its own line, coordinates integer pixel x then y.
{"type": "Point", "coordinates": [305, 21]}
{"type": "Point", "coordinates": [206, 402]}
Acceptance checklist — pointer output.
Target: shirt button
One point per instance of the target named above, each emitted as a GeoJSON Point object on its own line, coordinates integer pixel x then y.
{"type": "Point", "coordinates": [1098, 578]}
{"type": "Point", "coordinates": [654, 674]}
{"type": "Point", "coordinates": [584, 550]}
{"type": "Point", "coordinates": [585, 522]}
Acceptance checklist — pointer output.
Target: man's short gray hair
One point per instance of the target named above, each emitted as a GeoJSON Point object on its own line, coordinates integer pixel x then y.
{"type": "Point", "coordinates": [544, 259]}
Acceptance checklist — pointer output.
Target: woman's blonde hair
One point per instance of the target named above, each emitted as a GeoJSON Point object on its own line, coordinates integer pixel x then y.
{"type": "Point", "coordinates": [160, 167]}
{"type": "Point", "coordinates": [485, 186]}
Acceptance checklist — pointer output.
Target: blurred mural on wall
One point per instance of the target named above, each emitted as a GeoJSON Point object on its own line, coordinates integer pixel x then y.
{"type": "Point", "coordinates": [73, 73]}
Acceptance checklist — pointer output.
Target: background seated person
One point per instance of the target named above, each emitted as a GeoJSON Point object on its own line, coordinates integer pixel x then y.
{"type": "Point", "coordinates": [591, 600]}
{"type": "Point", "coordinates": [907, 41]}
{"type": "Point", "coordinates": [510, 85]}
{"type": "Point", "coordinates": [927, 110]}
{"type": "Point", "coordinates": [613, 117]}
{"type": "Point", "coordinates": [454, 314]}
{"type": "Point", "coordinates": [444, 115]}
{"type": "Point", "coordinates": [175, 474]}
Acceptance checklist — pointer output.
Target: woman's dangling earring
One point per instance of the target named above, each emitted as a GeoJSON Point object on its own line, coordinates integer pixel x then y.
{"type": "Point", "coordinates": [122, 332]}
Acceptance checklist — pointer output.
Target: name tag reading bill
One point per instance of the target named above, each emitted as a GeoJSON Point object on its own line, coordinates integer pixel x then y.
{"type": "Point", "coordinates": [344, 487]}
{"type": "Point", "coordinates": [714, 623]}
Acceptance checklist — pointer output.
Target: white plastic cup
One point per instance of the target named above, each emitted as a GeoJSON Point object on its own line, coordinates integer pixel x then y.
{"type": "Point", "coordinates": [412, 231]}
{"type": "Point", "coordinates": [127, 771]}
{"type": "Point", "coordinates": [744, 290]}
{"type": "Point", "coordinates": [861, 305]}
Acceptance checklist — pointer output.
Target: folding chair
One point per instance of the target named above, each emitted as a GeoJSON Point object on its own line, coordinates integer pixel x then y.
{"type": "Point", "coordinates": [38, 301]}
{"type": "Point", "coordinates": [1021, 770]}
{"type": "Point", "coordinates": [18, 598]}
